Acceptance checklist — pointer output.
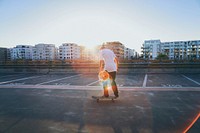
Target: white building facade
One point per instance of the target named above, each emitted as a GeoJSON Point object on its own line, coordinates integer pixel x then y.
{"type": "Point", "coordinates": [151, 49]}
{"type": "Point", "coordinates": [69, 51]}
{"type": "Point", "coordinates": [177, 50]}
{"type": "Point", "coordinates": [21, 52]}
{"type": "Point", "coordinates": [129, 53]}
{"type": "Point", "coordinates": [44, 52]}
{"type": "Point", "coordinates": [181, 50]}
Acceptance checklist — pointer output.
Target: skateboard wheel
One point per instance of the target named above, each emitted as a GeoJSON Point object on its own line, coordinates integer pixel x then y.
{"type": "Point", "coordinates": [112, 100]}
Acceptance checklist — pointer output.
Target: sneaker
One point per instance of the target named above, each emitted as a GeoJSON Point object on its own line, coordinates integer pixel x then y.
{"type": "Point", "coordinates": [116, 96]}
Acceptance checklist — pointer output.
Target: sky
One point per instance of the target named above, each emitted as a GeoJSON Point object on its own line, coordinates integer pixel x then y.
{"type": "Point", "coordinates": [92, 22]}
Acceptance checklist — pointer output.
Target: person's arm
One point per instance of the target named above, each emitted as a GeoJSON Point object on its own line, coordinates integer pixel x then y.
{"type": "Point", "coordinates": [116, 62]}
{"type": "Point", "coordinates": [101, 65]}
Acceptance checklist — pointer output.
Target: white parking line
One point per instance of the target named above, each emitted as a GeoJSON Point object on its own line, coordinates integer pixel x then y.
{"type": "Point", "coordinates": [58, 79]}
{"type": "Point", "coordinates": [145, 81]}
{"type": "Point", "coordinates": [18, 79]}
{"type": "Point", "coordinates": [10, 75]}
{"type": "Point", "coordinates": [92, 83]}
{"type": "Point", "coordinates": [191, 79]}
{"type": "Point", "coordinates": [72, 87]}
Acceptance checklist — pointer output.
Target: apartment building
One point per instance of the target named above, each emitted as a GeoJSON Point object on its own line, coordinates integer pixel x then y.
{"type": "Point", "coordinates": [21, 52]}
{"type": "Point", "coordinates": [129, 53]}
{"type": "Point", "coordinates": [3, 55]}
{"type": "Point", "coordinates": [44, 52]}
{"type": "Point", "coordinates": [181, 50]}
{"type": "Point", "coordinates": [151, 49]}
{"type": "Point", "coordinates": [69, 51]}
{"type": "Point", "coordinates": [89, 54]}
{"type": "Point", "coordinates": [117, 48]}
{"type": "Point", "coordinates": [177, 50]}
{"type": "Point", "coordinates": [8, 54]}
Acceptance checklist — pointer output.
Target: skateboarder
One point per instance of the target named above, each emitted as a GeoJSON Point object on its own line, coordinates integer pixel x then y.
{"type": "Point", "coordinates": [109, 63]}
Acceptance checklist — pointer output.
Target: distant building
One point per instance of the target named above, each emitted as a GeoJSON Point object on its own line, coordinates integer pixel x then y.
{"type": "Point", "coordinates": [88, 54]}
{"type": "Point", "coordinates": [44, 52]}
{"type": "Point", "coordinates": [3, 55]}
{"type": "Point", "coordinates": [179, 50]}
{"type": "Point", "coordinates": [117, 48]}
{"type": "Point", "coordinates": [23, 52]}
{"type": "Point", "coordinates": [82, 52]}
{"type": "Point", "coordinates": [8, 54]}
{"type": "Point", "coordinates": [129, 53]}
{"type": "Point", "coordinates": [56, 53]}
{"type": "Point", "coordinates": [69, 51]}
{"type": "Point", "coordinates": [151, 49]}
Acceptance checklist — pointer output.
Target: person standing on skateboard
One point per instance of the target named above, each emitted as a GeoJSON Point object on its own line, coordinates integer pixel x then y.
{"type": "Point", "coordinates": [109, 63]}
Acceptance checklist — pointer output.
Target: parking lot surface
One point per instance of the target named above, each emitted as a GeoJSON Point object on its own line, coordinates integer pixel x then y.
{"type": "Point", "coordinates": [78, 79]}
{"type": "Point", "coordinates": [148, 103]}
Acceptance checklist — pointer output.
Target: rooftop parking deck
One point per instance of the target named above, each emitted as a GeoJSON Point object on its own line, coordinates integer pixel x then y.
{"type": "Point", "coordinates": [148, 103]}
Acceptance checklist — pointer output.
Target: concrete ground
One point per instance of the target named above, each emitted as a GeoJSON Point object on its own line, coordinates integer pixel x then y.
{"type": "Point", "coordinates": [148, 103]}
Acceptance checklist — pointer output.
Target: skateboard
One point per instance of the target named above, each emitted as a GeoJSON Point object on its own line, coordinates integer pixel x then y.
{"type": "Point", "coordinates": [98, 98]}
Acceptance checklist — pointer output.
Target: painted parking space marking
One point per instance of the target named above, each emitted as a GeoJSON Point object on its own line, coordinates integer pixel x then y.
{"type": "Point", "coordinates": [191, 79]}
{"type": "Point", "coordinates": [169, 80]}
{"type": "Point", "coordinates": [74, 87]}
{"type": "Point", "coordinates": [19, 79]}
{"type": "Point", "coordinates": [92, 83]}
{"type": "Point", "coordinates": [58, 79]}
{"type": "Point", "coordinates": [63, 84]}
{"type": "Point", "coordinates": [145, 81]}
{"type": "Point", "coordinates": [5, 76]}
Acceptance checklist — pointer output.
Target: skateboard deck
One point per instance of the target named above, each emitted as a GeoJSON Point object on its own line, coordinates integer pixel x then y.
{"type": "Point", "coordinates": [98, 98]}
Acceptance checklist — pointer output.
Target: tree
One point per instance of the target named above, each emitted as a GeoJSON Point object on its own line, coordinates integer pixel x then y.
{"type": "Point", "coordinates": [162, 57]}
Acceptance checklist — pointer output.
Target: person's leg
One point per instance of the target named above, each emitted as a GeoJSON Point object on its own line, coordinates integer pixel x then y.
{"type": "Point", "coordinates": [113, 83]}
{"type": "Point", "coordinates": [105, 88]}
{"type": "Point", "coordinates": [106, 92]}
